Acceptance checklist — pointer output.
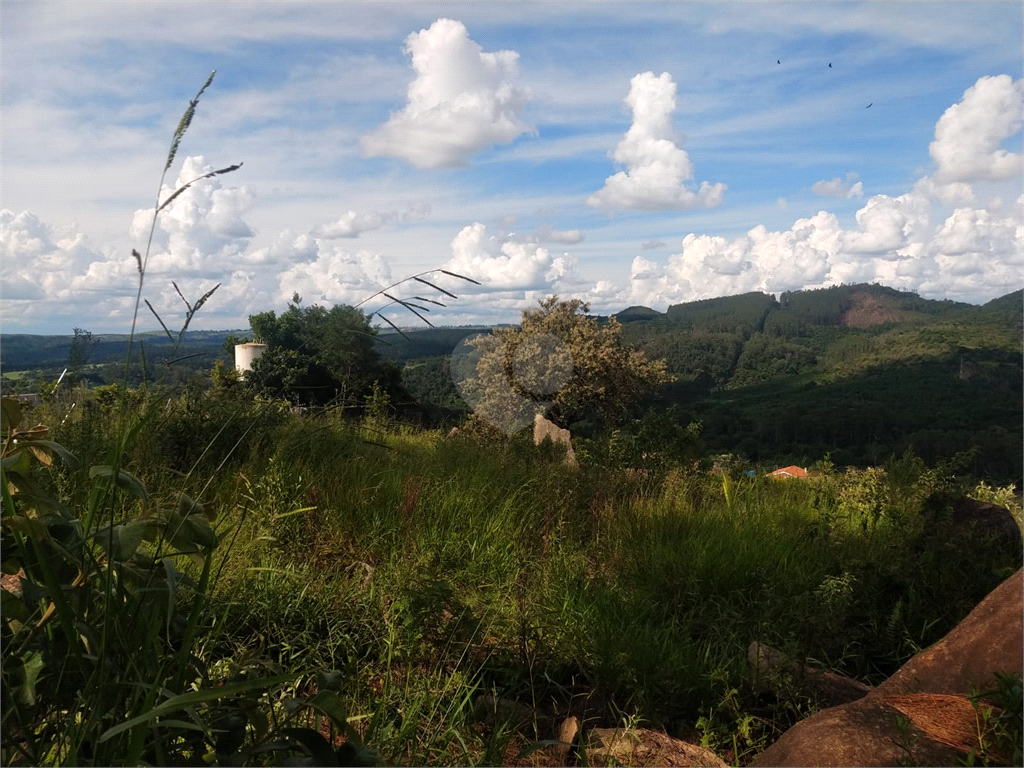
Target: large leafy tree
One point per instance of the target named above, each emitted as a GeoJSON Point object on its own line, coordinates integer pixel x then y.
{"type": "Point", "coordinates": [559, 360]}
{"type": "Point", "coordinates": [316, 355]}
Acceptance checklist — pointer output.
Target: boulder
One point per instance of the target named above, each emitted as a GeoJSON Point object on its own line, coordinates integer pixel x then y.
{"type": "Point", "coordinates": [545, 430]}
{"type": "Point", "coordinates": [989, 639]}
{"type": "Point", "coordinates": [567, 733]}
{"type": "Point", "coordinates": [922, 714]}
{"type": "Point", "coordinates": [642, 747]}
{"type": "Point", "coordinates": [916, 729]}
{"type": "Point", "coordinates": [775, 669]}
{"type": "Point", "coordinates": [963, 522]}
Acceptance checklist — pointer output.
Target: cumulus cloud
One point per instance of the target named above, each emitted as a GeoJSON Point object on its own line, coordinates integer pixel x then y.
{"type": "Point", "coordinates": [40, 255]}
{"type": "Point", "coordinates": [203, 229]}
{"type": "Point", "coordinates": [968, 135]}
{"type": "Point", "coordinates": [335, 276]}
{"type": "Point", "coordinates": [973, 255]}
{"type": "Point", "coordinates": [837, 187]}
{"type": "Point", "coordinates": [350, 224]}
{"type": "Point", "coordinates": [504, 264]}
{"type": "Point", "coordinates": [951, 193]}
{"type": "Point", "coordinates": [887, 224]}
{"type": "Point", "coordinates": [461, 101]}
{"type": "Point", "coordinates": [656, 168]}
{"type": "Point", "coordinates": [287, 248]}
{"type": "Point", "coordinates": [911, 241]}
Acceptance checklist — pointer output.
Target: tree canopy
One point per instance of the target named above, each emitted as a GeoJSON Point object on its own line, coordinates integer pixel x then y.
{"type": "Point", "coordinates": [558, 360]}
{"type": "Point", "coordinates": [316, 355]}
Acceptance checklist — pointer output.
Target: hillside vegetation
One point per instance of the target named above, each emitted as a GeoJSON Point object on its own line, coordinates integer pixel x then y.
{"type": "Point", "coordinates": [427, 571]}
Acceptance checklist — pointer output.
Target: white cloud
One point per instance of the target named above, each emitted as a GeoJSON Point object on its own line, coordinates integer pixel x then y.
{"type": "Point", "coordinates": [350, 224]}
{"type": "Point", "coordinates": [952, 193]}
{"type": "Point", "coordinates": [782, 204]}
{"type": "Point", "coordinates": [888, 224]}
{"type": "Point", "coordinates": [417, 212]}
{"type": "Point", "coordinates": [974, 255]}
{"type": "Point", "coordinates": [839, 188]}
{"type": "Point", "coordinates": [566, 237]}
{"type": "Point", "coordinates": [48, 271]}
{"type": "Point", "coordinates": [655, 167]}
{"type": "Point", "coordinates": [287, 249]}
{"type": "Point", "coordinates": [967, 136]}
{"type": "Point", "coordinates": [461, 100]}
{"type": "Point", "coordinates": [503, 264]}
{"type": "Point", "coordinates": [335, 277]}
{"type": "Point", "coordinates": [202, 230]}
{"type": "Point", "coordinates": [650, 245]}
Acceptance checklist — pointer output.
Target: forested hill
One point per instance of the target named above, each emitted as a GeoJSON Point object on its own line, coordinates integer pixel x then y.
{"type": "Point", "coordinates": [860, 370]}
{"type": "Point", "coordinates": [739, 340]}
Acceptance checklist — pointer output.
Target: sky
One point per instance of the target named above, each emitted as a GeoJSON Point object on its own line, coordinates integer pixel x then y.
{"type": "Point", "coordinates": [621, 153]}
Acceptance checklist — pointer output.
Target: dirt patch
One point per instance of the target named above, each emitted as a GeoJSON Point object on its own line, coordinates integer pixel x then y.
{"type": "Point", "coordinates": [867, 310]}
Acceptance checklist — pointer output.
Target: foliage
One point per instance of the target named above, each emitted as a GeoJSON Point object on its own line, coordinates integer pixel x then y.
{"type": "Point", "coordinates": [561, 356]}
{"type": "Point", "coordinates": [1000, 730]}
{"type": "Point", "coordinates": [317, 355]}
{"type": "Point", "coordinates": [103, 652]}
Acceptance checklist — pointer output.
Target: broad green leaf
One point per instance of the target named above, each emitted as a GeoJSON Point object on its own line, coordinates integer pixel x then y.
{"type": "Point", "coordinates": [122, 540]}
{"type": "Point", "coordinates": [124, 480]}
{"type": "Point", "coordinates": [28, 526]}
{"type": "Point", "coordinates": [172, 589]}
{"type": "Point", "coordinates": [202, 533]}
{"type": "Point", "coordinates": [17, 462]}
{"type": "Point", "coordinates": [198, 697]}
{"type": "Point", "coordinates": [313, 742]}
{"type": "Point", "coordinates": [31, 666]}
{"type": "Point", "coordinates": [331, 705]}
{"type": "Point", "coordinates": [330, 681]}
{"type": "Point", "coordinates": [10, 414]}
{"type": "Point", "coordinates": [13, 607]}
{"type": "Point", "coordinates": [188, 506]}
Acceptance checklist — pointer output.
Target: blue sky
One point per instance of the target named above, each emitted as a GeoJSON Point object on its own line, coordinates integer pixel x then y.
{"type": "Point", "coordinates": [635, 153]}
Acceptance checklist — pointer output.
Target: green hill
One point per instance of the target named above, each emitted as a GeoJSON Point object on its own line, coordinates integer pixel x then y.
{"type": "Point", "coordinates": [862, 371]}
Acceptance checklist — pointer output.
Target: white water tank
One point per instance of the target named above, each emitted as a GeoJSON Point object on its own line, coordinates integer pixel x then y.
{"type": "Point", "coordinates": [246, 354]}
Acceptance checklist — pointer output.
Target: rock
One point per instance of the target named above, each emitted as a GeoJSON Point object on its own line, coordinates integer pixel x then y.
{"type": "Point", "coordinates": [493, 711]}
{"type": "Point", "coordinates": [964, 522]}
{"type": "Point", "coordinates": [989, 639]}
{"type": "Point", "coordinates": [566, 733]}
{"type": "Point", "coordinates": [642, 747]}
{"type": "Point", "coordinates": [918, 729]}
{"type": "Point", "coordinates": [544, 430]}
{"type": "Point", "coordinates": [929, 694]}
{"type": "Point", "coordinates": [774, 669]}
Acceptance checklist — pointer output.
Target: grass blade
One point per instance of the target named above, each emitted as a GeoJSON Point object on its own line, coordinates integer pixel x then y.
{"type": "Point", "coordinates": [169, 336]}
{"type": "Point", "coordinates": [436, 287]}
{"type": "Point", "coordinates": [392, 325]}
{"type": "Point", "coordinates": [461, 277]}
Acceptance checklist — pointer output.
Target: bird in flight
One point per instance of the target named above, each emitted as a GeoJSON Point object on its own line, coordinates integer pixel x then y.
{"type": "Point", "coordinates": [830, 65]}
{"type": "Point", "coordinates": [869, 105]}
{"type": "Point", "coordinates": [778, 61]}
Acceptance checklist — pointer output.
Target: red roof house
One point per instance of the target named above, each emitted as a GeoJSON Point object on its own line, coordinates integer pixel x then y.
{"type": "Point", "coordinates": [792, 471]}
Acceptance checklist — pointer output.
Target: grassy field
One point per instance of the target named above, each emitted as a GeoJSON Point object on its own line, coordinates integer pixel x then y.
{"type": "Point", "coordinates": [428, 571]}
